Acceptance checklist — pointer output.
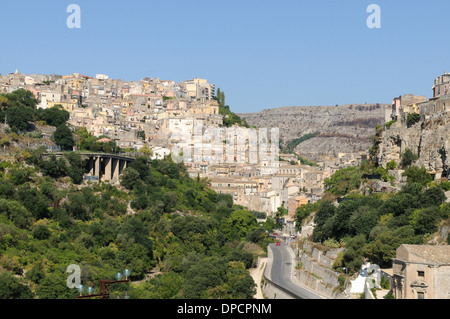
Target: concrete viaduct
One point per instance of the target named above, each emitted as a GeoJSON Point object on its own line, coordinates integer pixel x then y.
{"type": "Point", "coordinates": [106, 167]}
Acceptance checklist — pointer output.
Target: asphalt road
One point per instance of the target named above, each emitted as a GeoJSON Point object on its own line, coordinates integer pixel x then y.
{"type": "Point", "coordinates": [282, 265]}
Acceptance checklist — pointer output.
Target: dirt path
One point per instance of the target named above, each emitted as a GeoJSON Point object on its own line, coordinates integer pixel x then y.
{"type": "Point", "coordinates": [257, 274]}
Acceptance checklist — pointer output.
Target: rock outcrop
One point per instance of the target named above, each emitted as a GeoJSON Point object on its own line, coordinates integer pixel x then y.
{"type": "Point", "coordinates": [429, 139]}
{"type": "Point", "coordinates": [341, 129]}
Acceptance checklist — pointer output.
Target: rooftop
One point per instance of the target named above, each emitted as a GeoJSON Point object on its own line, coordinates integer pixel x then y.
{"type": "Point", "coordinates": [437, 254]}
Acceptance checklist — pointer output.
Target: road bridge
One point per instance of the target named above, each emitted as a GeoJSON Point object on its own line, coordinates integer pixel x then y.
{"type": "Point", "coordinates": [105, 167]}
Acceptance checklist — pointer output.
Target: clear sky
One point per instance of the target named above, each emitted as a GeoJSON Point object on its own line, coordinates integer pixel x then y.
{"type": "Point", "coordinates": [262, 54]}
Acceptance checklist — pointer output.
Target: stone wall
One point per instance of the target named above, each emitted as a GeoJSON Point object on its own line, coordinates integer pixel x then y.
{"type": "Point", "coordinates": [316, 272]}
{"type": "Point", "coordinates": [273, 291]}
{"type": "Point", "coordinates": [270, 289]}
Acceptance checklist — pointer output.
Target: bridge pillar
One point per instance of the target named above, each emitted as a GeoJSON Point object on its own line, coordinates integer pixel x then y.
{"type": "Point", "coordinates": [91, 166]}
{"type": "Point", "coordinates": [97, 167]}
{"type": "Point", "coordinates": [122, 165]}
{"type": "Point", "coordinates": [115, 168]}
{"type": "Point", "coordinates": [108, 168]}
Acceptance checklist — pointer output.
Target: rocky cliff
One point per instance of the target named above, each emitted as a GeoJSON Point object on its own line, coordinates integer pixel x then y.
{"type": "Point", "coordinates": [429, 139]}
{"type": "Point", "coordinates": [343, 128]}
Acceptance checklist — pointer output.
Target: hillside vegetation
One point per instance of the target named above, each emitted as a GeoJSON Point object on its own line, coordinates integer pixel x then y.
{"type": "Point", "coordinates": [371, 226]}
{"type": "Point", "coordinates": [157, 221]}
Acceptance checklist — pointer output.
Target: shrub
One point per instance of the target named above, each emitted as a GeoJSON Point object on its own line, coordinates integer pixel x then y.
{"type": "Point", "coordinates": [418, 175]}
{"type": "Point", "coordinates": [41, 232]}
{"type": "Point", "coordinates": [391, 165]}
{"type": "Point", "coordinates": [412, 119]}
{"type": "Point", "coordinates": [407, 158]}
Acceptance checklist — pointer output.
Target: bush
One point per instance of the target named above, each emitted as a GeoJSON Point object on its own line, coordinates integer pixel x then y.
{"type": "Point", "coordinates": [384, 283]}
{"type": "Point", "coordinates": [13, 288]}
{"type": "Point", "coordinates": [41, 232]}
{"type": "Point", "coordinates": [407, 158]}
{"type": "Point", "coordinates": [391, 165]}
{"type": "Point", "coordinates": [343, 181]}
{"type": "Point", "coordinates": [412, 119]}
{"type": "Point", "coordinates": [128, 177]}
{"type": "Point", "coordinates": [418, 175]}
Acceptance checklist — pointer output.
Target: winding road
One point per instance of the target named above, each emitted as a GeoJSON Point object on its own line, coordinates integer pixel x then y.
{"type": "Point", "coordinates": [281, 273]}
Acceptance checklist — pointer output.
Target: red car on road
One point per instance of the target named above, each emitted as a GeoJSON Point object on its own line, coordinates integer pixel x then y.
{"type": "Point", "coordinates": [277, 244]}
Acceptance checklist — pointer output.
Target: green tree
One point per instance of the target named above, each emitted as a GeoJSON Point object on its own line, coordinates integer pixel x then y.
{"type": "Point", "coordinates": [15, 212]}
{"type": "Point", "coordinates": [76, 169]}
{"type": "Point", "coordinates": [407, 158]}
{"type": "Point", "coordinates": [55, 115]}
{"type": "Point", "coordinates": [13, 288]}
{"type": "Point", "coordinates": [303, 212]}
{"type": "Point", "coordinates": [239, 281]}
{"type": "Point", "coordinates": [22, 97]}
{"type": "Point", "coordinates": [20, 109]}
{"type": "Point", "coordinates": [363, 220]}
{"type": "Point", "coordinates": [41, 232]}
{"type": "Point", "coordinates": [353, 258]}
{"type": "Point", "coordinates": [128, 177]}
{"type": "Point", "coordinates": [325, 212]}
{"type": "Point", "coordinates": [63, 137]}
{"type": "Point", "coordinates": [54, 286]}
{"type": "Point", "coordinates": [381, 250]}
{"type": "Point", "coordinates": [202, 277]}
{"type": "Point", "coordinates": [415, 174]}
{"type": "Point", "coordinates": [19, 117]}
{"type": "Point", "coordinates": [343, 181]}
{"type": "Point", "coordinates": [239, 224]}
{"type": "Point", "coordinates": [433, 196]}
{"type": "Point", "coordinates": [426, 221]}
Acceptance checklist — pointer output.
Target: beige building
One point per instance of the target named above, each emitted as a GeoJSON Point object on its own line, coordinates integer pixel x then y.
{"type": "Point", "coordinates": [69, 106]}
{"type": "Point", "coordinates": [422, 272]}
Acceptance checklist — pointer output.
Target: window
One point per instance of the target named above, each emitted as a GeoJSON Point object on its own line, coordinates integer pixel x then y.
{"type": "Point", "coordinates": [421, 273]}
{"type": "Point", "coordinates": [420, 295]}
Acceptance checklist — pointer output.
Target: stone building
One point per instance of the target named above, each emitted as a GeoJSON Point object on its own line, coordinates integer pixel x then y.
{"type": "Point", "coordinates": [421, 272]}
{"type": "Point", "coordinates": [441, 85]}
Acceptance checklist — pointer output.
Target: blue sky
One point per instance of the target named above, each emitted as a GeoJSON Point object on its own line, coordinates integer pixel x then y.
{"type": "Point", "coordinates": [262, 54]}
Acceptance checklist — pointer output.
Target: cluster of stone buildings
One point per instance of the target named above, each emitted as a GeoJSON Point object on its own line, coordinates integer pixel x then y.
{"type": "Point", "coordinates": [430, 142]}
{"type": "Point", "coordinates": [122, 110]}
{"type": "Point", "coordinates": [409, 103]}
{"type": "Point", "coordinates": [290, 185]}
{"type": "Point", "coordinates": [162, 114]}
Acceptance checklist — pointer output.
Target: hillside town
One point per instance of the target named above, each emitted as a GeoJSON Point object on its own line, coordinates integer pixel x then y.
{"type": "Point", "coordinates": [163, 113]}
{"type": "Point", "coordinates": [183, 120]}
{"type": "Point", "coordinates": [154, 112]}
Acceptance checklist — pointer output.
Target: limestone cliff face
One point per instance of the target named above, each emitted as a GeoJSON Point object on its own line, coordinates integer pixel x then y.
{"type": "Point", "coordinates": [343, 128]}
{"type": "Point", "coordinates": [429, 139]}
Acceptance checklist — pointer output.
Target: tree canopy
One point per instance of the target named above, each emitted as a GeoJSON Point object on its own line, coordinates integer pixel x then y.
{"type": "Point", "coordinates": [178, 226]}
